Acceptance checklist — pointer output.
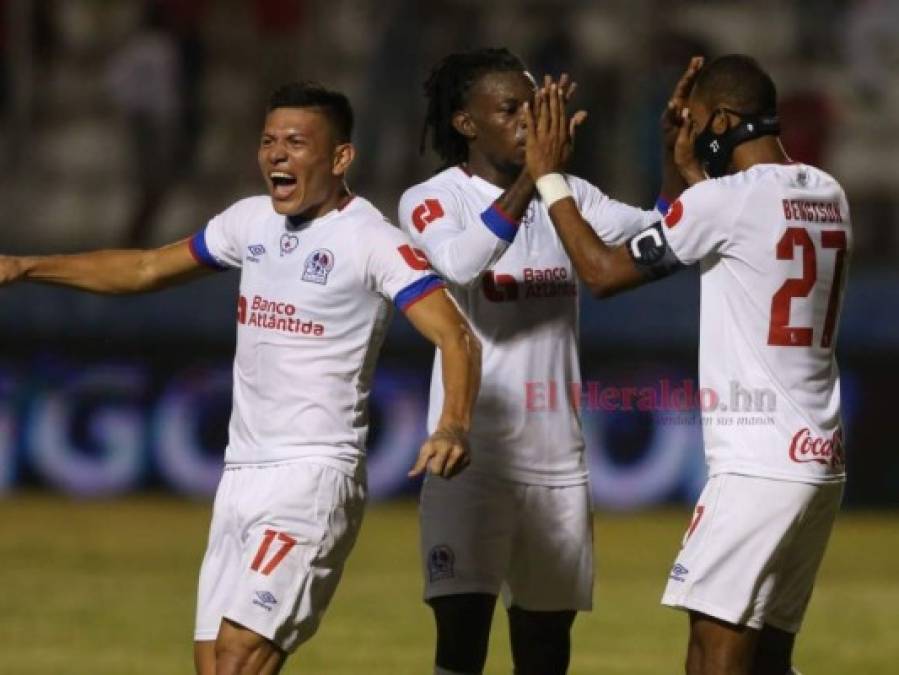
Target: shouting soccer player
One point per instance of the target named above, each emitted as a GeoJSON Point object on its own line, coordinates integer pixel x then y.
{"type": "Point", "coordinates": [319, 270]}
{"type": "Point", "coordinates": [519, 520]}
{"type": "Point", "coordinates": [772, 239]}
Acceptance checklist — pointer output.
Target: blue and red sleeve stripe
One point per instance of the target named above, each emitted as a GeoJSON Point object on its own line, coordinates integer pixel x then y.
{"type": "Point", "coordinates": [201, 254]}
{"type": "Point", "coordinates": [500, 223]}
{"type": "Point", "coordinates": [417, 290]}
{"type": "Point", "coordinates": [662, 205]}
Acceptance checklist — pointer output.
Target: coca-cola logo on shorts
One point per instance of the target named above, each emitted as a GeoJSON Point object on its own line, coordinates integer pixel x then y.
{"type": "Point", "coordinates": [807, 448]}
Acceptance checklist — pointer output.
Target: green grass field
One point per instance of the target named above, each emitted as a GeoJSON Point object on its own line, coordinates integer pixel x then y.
{"type": "Point", "coordinates": [107, 588]}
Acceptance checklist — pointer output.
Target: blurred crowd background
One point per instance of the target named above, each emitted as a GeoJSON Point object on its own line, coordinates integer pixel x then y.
{"type": "Point", "coordinates": [132, 122]}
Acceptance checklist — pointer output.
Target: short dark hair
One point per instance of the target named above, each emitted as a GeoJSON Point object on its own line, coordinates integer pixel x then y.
{"type": "Point", "coordinates": [335, 105]}
{"type": "Point", "coordinates": [447, 90]}
{"type": "Point", "coordinates": [739, 82]}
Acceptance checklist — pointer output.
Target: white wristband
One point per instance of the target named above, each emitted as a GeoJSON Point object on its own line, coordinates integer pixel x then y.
{"type": "Point", "coordinates": [553, 187]}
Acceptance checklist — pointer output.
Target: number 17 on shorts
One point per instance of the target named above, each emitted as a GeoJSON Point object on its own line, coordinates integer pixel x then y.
{"type": "Point", "coordinates": [285, 541]}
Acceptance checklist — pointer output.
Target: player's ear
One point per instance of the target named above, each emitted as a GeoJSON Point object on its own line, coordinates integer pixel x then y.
{"type": "Point", "coordinates": [720, 121]}
{"type": "Point", "coordinates": [463, 123]}
{"type": "Point", "coordinates": [344, 154]}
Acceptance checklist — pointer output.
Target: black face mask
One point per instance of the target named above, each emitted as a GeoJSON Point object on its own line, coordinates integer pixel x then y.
{"type": "Point", "coordinates": [714, 150]}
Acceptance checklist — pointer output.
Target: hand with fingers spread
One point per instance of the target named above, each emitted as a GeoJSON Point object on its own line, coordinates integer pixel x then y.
{"type": "Point", "coordinates": [549, 132]}
{"type": "Point", "coordinates": [566, 87]}
{"type": "Point", "coordinates": [445, 454]}
{"type": "Point", "coordinates": [672, 116]}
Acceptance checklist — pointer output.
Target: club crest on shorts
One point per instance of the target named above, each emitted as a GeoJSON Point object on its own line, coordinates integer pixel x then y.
{"type": "Point", "coordinates": [265, 600]}
{"type": "Point", "coordinates": [318, 265]}
{"type": "Point", "coordinates": [441, 561]}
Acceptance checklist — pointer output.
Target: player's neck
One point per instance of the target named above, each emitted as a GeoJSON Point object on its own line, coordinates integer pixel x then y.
{"type": "Point", "coordinates": [336, 200]}
{"type": "Point", "coordinates": [501, 177]}
{"type": "Point", "coordinates": [764, 150]}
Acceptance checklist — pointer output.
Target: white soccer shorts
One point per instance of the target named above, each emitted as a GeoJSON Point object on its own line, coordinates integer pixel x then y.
{"type": "Point", "coordinates": [481, 534]}
{"type": "Point", "coordinates": [752, 550]}
{"type": "Point", "coordinates": [279, 538]}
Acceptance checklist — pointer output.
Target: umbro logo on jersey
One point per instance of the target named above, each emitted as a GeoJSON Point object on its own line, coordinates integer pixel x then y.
{"type": "Point", "coordinates": [318, 265]}
{"type": "Point", "coordinates": [256, 251]}
{"type": "Point", "coordinates": [289, 243]}
{"type": "Point", "coordinates": [679, 572]}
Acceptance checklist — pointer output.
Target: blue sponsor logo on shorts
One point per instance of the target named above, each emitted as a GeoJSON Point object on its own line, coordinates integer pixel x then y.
{"type": "Point", "coordinates": [265, 600]}
{"type": "Point", "coordinates": [679, 572]}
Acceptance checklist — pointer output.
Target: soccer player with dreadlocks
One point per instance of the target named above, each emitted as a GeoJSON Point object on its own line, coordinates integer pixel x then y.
{"type": "Point", "coordinates": [519, 519]}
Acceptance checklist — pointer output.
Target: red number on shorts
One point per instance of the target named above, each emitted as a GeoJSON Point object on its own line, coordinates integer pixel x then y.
{"type": "Point", "coordinates": [781, 334]}
{"type": "Point", "coordinates": [697, 515]}
{"type": "Point", "coordinates": [287, 543]}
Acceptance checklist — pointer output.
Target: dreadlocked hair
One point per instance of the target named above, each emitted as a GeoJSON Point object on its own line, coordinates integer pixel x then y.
{"type": "Point", "coordinates": [447, 90]}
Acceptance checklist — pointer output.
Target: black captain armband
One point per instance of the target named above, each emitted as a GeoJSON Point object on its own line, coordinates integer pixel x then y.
{"type": "Point", "coordinates": [651, 254]}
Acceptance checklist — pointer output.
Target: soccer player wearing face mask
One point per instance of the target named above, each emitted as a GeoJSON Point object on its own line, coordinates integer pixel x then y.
{"type": "Point", "coordinates": [772, 239]}
{"type": "Point", "coordinates": [519, 521]}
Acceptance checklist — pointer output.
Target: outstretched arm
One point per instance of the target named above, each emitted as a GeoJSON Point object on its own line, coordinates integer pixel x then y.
{"type": "Point", "coordinates": [107, 271]}
{"type": "Point", "coordinates": [436, 317]}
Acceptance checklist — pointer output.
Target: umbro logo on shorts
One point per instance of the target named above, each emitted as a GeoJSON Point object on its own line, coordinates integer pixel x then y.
{"type": "Point", "coordinates": [441, 560]}
{"type": "Point", "coordinates": [678, 572]}
{"type": "Point", "coordinates": [265, 600]}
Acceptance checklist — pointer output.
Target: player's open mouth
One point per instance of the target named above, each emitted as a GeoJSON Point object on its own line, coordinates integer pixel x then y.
{"type": "Point", "coordinates": [283, 184]}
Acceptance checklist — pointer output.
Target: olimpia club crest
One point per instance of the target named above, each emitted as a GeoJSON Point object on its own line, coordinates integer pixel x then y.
{"type": "Point", "coordinates": [318, 265]}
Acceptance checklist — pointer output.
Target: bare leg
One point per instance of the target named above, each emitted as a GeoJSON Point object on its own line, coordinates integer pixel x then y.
{"type": "Point", "coordinates": [204, 657]}
{"type": "Point", "coordinates": [240, 651]}
{"type": "Point", "coordinates": [719, 648]}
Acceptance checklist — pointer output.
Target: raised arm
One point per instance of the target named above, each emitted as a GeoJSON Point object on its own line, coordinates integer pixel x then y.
{"type": "Point", "coordinates": [673, 180]}
{"type": "Point", "coordinates": [604, 269]}
{"type": "Point", "coordinates": [436, 317]}
{"type": "Point", "coordinates": [108, 271]}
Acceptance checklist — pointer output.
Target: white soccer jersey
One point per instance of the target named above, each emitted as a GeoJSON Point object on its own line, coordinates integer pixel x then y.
{"type": "Point", "coordinates": [773, 243]}
{"type": "Point", "coordinates": [313, 309]}
{"type": "Point", "coordinates": [518, 288]}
